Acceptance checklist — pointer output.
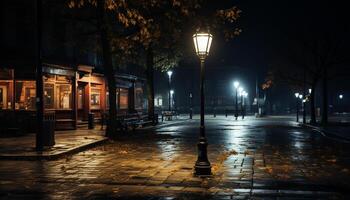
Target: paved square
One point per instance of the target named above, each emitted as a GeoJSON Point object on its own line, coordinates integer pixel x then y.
{"type": "Point", "coordinates": [251, 158]}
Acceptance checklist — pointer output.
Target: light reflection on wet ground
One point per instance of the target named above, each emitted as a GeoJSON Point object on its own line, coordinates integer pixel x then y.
{"type": "Point", "coordinates": [250, 158]}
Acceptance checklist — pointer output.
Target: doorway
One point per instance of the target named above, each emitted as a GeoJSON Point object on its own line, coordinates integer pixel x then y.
{"type": "Point", "coordinates": [3, 97]}
{"type": "Point", "coordinates": [81, 102]}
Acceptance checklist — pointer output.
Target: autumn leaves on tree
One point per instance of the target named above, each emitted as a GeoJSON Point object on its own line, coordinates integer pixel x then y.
{"type": "Point", "coordinates": [152, 33]}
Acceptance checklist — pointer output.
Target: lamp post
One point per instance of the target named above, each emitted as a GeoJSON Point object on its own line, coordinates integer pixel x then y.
{"type": "Point", "coordinates": [302, 103]}
{"type": "Point", "coordinates": [297, 105]}
{"type": "Point", "coordinates": [340, 102]}
{"type": "Point", "coordinates": [240, 90]}
{"type": "Point", "coordinates": [244, 95]}
{"type": "Point", "coordinates": [241, 95]}
{"type": "Point", "coordinates": [191, 106]}
{"type": "Point", "coordinates": [236, 84]}
{"type": "Point", "coordinates": [169, 75]}
{"type": "Point", "coordinates": [202, 42]}
{"type": "Point", "coordinates": [172, 99]}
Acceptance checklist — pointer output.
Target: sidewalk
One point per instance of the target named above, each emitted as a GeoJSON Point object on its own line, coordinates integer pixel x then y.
{"type": "Point", "coordinates": [339, 131]}
{"type": "Point", "coordinates": [67, 142]}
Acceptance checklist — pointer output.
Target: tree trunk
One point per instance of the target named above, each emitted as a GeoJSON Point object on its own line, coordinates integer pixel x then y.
{"type": "Point", "coordinates": [150, 83]}
{"type": "Point", "coordinates": [109, 71]}
{"type": "Point", "coordinates": [312, 102]}
{"type": "Point", "coordinates": [325, 98]}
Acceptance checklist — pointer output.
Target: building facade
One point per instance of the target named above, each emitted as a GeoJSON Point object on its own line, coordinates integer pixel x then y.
{"type": "Point", "coordinates": [70, 92]}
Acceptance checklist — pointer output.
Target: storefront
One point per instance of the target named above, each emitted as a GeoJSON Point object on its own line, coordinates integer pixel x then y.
{"type": "Point", "coordinates": [71, 93]}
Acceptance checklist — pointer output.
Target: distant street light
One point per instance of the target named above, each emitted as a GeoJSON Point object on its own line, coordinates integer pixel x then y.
{"type": "Point", "coordinates": [310, 90]}
{"type": "Point", "coordinates": [169, 75]}
{"type": "Point", "coordinates": [243, 96]}
{"type": "Point", "coordinates": [202, 42]}
{"type": "Point", "coordinates": [171, 98]}
{"type": "Point", "coordinates": [340, 96]}
{"type": "Point", "coordinates": [302, 106]}
{"type": "Point", "coordinates": [297, 105]}
{"type": "Point", "coordinates": [236, 84]}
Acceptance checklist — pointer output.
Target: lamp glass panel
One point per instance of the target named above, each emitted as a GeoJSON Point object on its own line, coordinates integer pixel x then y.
{"type": "Point", "coordinates": [202, 43]}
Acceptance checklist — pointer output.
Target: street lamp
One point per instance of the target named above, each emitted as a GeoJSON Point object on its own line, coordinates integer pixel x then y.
{"type": "Point", "coordinates": [340, 96]}
{"type": "Point", "coordinates": [236, 84]}
{"type": "Point", "coordinates": [169, 75]}
{"type": "Point", "coordinates": [172, 98]}
{"type": "Point", "coordinates": [297, 104]}
{"type": "Point", "coordinates": [310, 90]}
{"type": "Point", "coordinates": [202, 42]}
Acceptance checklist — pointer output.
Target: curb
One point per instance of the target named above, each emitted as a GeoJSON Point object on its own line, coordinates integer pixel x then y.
{"type": "Point", "coordinates": [325, 133]}
{"type": "Point", "coordinates": [56, 156]}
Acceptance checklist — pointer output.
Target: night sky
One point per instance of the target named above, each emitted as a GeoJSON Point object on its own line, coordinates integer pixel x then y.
{"type": "Point", "coordinates": [268, 27]}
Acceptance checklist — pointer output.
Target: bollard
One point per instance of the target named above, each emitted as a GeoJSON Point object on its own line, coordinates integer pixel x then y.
{"type": "Point", "coordinates": [191, 113]}
{"type": "Point", "coordinates": [91, 124]}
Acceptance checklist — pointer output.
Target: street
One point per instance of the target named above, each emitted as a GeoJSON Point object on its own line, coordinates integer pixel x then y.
{"type": "Point", "coordinates": [254, 158]}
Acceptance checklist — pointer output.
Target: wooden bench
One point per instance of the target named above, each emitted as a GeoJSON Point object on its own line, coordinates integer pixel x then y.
{"type": "Point", "coordinates": [168, 115]}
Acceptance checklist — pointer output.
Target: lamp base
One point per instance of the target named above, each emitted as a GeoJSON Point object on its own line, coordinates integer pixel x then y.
{"type": "Point", "coordinates": [202, 166]}
{"type": "Point", "coordinates": [203, 169]}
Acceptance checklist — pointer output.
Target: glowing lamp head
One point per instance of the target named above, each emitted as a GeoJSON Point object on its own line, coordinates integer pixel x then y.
{"type": "Point", "coordinates": [170, 73]}
{"type": "Point", "coordinates": [202, 42]}
{"type": "Point", "coordinates": [236, 84]}
{"type": "Point", "coordinates": [296, 94]}
{"type": "Point", "coordinates": [300, 96]}
{"type": "Point", "coordinates": [171, 92]}
{"type": "Point", "coordinates": [310, 90]}
{"type": "Point", "coordinates": [340, 96]}
{"type": "Point", "coordinates": [245, 94]}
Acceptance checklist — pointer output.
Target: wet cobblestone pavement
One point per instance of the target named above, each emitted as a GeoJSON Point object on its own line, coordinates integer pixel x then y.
{"type": "Point", "coordinates": [251, 159]}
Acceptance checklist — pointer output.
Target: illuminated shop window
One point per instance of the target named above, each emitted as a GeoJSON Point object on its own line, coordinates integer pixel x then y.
{"type": "Point", "coordinates": [107, 98]}
{"type": "Point", "coordinates": [64, 96]}
{"type": "Point", "coordinates": [5, 98]}
{"type": "Point", "coordinates": [25, 95]}
{"type": "Point", "coordinates": [49, 96]}
{"type": "Point", "coordinates": [80, 98]}
{"type": "Point", "coordinates": [138, 98]}
{"type": "Point", "coordinates": [123, 98]}
{"type": "Point", "coordinates": [95, 98]}
{"type": "Point", "coordinates": [158, 102]}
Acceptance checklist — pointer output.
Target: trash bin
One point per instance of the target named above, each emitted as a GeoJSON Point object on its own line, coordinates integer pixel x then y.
{"type": "Point", "coordinates": [91, 118]}
{"type": "Point", "coordinates": [155, 120]}
{"type": "Point", "coordinates": [49, 124]}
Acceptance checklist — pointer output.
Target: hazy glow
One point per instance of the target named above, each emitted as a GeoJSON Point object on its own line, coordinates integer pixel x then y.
{"type": "Point", "coordinates": [310, 90]}
{"type": "Point", "coordinates": [296, 94]}
{"type": "Point", "coordinates": [170, 73]}
{"type": "Point", "coordinates": [340, 96]}
{"type": "Point", "coordinates": [236, 84]}
{"type": "Point", "coordinates": [300, 96]}
{"type": "Point", "coordinates": [171, 92]}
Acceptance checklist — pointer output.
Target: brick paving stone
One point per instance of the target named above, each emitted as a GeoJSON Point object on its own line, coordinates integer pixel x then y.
{"type": "Point", "coordinates": [274, 160]}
